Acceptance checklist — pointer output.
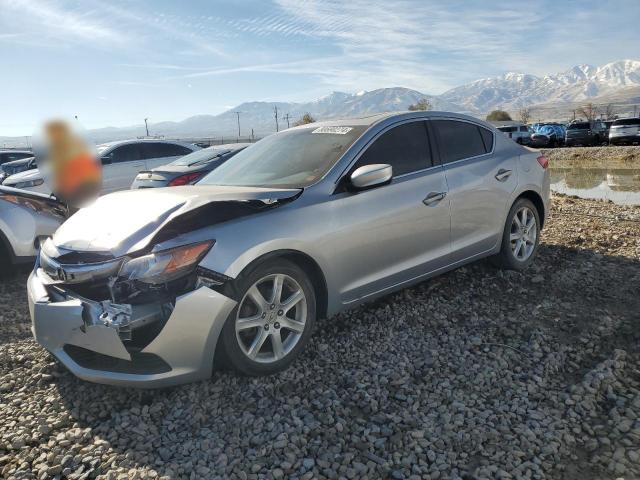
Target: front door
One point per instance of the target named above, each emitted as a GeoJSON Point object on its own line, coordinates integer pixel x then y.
{"type": "Point", "coordinates": [120, 167]}
{"type": "Point", "coordinates": [402, 228]}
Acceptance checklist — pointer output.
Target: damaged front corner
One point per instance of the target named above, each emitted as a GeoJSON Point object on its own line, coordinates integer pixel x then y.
{"type": "Point", "coordinates": [188, 340]}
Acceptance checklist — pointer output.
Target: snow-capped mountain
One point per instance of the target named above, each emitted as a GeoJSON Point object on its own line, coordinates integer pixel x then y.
{"type": "Point", "coordinates": [260, 116]}
{"type": "Point", "coordinates": [552, 95]}
{"type": "Point", "coordinates": [514, 90]}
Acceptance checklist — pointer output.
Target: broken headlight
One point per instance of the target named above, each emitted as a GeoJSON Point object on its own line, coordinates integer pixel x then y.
{"type": "Point", "coordinates": [164, 266]}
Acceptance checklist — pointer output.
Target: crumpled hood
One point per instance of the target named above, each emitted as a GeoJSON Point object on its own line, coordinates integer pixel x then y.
{"type": "Point", "coordinates": [126, 221]}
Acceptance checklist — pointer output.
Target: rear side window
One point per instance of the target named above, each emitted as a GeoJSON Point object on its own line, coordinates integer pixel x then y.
{"type": "Point", "coordinates": [161, 150]}
{"type": "Point", "coordinates": [524, 128]}
{"type": "Point", "coordinates": [487, 138]}
{"type": "Point", "coordinates": [459, 140]}
{"type": "Point", "coordinates": [405, 148]}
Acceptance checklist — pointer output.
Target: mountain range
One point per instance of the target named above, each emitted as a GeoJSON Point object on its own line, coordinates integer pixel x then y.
{"type": "Point", "coordinates": [551, 97]}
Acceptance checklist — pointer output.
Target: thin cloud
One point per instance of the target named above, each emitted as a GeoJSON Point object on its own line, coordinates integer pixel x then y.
{"type": "Point", "coordinates": [50, 19]}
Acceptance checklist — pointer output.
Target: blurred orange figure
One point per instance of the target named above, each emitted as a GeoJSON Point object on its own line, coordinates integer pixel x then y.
{"type": "Point", "coordinates": [76, 174]}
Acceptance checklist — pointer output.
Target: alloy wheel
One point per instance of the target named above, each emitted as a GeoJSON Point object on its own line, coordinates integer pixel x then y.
{"type": "Point", "coordinates": [271, 318]}
{"type": "Point", "coordinates": [524, 233]}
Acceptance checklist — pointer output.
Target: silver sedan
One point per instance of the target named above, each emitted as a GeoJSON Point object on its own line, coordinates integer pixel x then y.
{"type": "Point", "coordinates": [157, 287]}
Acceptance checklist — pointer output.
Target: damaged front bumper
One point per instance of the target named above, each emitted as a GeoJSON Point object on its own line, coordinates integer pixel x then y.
{"type": "Point", "coordinates": [80, 334]}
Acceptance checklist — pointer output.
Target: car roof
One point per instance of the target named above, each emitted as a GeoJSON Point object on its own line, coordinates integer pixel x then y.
{"type": "Point", "coordinates": [370, 120]}
{"type": "Point", "coordinates": [15, 150]}
{"type": "Point", "coordinates": [147, 140]}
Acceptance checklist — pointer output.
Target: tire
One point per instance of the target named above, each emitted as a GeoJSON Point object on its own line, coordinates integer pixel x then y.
{"type": "Point", "coordinates": [507, 258]}
{"type": "Point", "coordinates": [250, 324]}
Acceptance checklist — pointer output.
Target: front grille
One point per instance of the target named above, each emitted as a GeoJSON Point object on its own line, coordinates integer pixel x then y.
{"type": "Point", "coordinates": [140, 364]}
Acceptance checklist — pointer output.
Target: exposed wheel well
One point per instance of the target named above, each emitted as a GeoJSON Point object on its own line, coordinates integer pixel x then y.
{"type": "Point", "coordinates": [536, 199]}
{"type": "Point", "coordinates": [311, 268]}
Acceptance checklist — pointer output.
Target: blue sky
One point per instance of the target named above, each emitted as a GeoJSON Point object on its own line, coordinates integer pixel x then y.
{"type": "Point", "coordinates": [116, 62]}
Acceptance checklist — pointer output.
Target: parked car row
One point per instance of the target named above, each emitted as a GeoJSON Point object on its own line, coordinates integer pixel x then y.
{"type": "Point", "coordinates": [157, 286]}
{"type": "Point", "coordinates": [624, 131]}
{"type": "Point", "coordinates": [123, 163]}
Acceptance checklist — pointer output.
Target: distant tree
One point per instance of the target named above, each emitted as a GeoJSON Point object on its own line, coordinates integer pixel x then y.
{"type": "Point", "coordinates": [525, 114]}
{"type": "Point", "coordinates": [422, 104]}
{"type": "Point", "coordinates": [589, 111]}
{"type": "Point", "coordinates": [609, 112]}
{"type": "Point", "coordinates": [498, 116]}
{"type": "Point", "coordinates": [306, 118]}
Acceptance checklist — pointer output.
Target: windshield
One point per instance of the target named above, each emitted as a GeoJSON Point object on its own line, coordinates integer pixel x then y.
{"type": "Point", "coordinates": [199, 156]}
{"type": "Point", "coordinates": [626, 122]}
{"type": "Point", "coordinates": [289, 159]}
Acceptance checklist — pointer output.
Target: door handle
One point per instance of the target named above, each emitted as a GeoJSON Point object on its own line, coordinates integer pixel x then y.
{"type": "Point", "coordinates": [434, 197]}
{"type": "Point", "coordinates": [502, 175]}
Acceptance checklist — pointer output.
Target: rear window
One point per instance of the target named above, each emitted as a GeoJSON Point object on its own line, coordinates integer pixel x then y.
{"type": "Point", "coordinates": [579, 126]}
{"type": "Point", "coordinates": [459, 140]}
{"type": "Point", "coordinates": [626, 122]}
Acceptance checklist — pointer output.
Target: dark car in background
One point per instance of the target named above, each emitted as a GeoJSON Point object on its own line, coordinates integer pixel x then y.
{"type": "Point", "coordinates": [8, 155]}
{"type": "Point", "coordinates": [17, 166]}
{"type": "Point", "coordinates": [625, 131]}
{"type": "Point", "coordinates": [189, 169]}
{"type": "Point", "coordinates": [586, 133]}
{"type": "Point", "coordinates": [547, 135]}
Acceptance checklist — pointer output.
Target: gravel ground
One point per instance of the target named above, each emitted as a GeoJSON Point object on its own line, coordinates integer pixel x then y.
{"type": "Point", "coordinates": [476, 374]}
{"type": "Point", "coordinates": [610, 156]}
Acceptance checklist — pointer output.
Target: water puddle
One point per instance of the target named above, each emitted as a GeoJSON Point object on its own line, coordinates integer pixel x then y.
{"type": "Point", "coordinates": [621, 186]}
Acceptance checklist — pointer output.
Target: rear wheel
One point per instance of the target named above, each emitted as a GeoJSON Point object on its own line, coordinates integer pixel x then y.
{"type": "Point", "coordinates": [273, 319]}
{"type": "Point", "coordinates": [521, 236]}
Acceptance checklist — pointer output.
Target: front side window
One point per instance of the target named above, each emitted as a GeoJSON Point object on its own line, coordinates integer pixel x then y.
{"type": "Point", "coordinates": [405, 148]}
{"type": "Point", "coordinates": [459, 140]}
{"type": "Point", "coordinates": [125, 153]}
{"type": "Point", "coordinates": [293, 158]}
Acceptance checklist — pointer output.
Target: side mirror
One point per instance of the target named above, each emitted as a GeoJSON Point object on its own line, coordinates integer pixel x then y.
{"type": "Point", "coordinates": [105, 160]}
{"type": "Point", "coordinates": [369, 176]}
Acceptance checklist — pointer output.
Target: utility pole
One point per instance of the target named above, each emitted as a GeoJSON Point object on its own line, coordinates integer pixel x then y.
{"type": "Point", "coordinates": [275, 110]}
{"type": "Point", "coordinates": [146, 126]}
{"type": "Point", "coordinates": [252, 135]}
{"type": "Point", "coordinates": [286, 117]}
{"type": "Point", "coordinates": [238, 115]}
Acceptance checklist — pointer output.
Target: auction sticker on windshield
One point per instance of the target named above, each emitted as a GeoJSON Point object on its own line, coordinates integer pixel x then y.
{"type": "Point", "coordinates": [336, 130]}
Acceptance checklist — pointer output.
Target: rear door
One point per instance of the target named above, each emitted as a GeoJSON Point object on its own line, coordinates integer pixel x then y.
{"type": "Point", "coordinates": [120, 167]}
{"type": "Point", "coordinates": [403, 227]}
{"type": "Point", "coordinates": [156, 154]}
{"type": "Point", "coordinates": [480, 182]}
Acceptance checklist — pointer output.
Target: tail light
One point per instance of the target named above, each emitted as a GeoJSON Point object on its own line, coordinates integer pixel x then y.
{"type": "Point", "coordinates": [543, 161]}
{"type": "Point", "coordinates": [185, 179]}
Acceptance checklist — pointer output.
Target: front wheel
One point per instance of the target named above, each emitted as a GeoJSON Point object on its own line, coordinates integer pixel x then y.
{"type": "Point", "coordinates": [273, 320]}
{"type": "Point", "coordinates": [521, 236]}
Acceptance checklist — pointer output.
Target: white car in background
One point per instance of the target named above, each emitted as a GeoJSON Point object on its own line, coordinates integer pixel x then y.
{"type": "Point", "coordinates": [121, 162]}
